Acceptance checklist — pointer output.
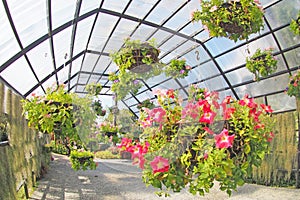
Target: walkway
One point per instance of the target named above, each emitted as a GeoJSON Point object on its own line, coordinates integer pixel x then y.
{"type": "Point", "coordinates": [119, 180]}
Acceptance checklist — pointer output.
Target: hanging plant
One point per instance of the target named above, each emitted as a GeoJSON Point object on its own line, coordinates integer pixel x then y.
{"type": "Point", "coordinates": [295, 25]}
{"type": "Point", "coordinates": [97, 106]}
{"type": "Point", "coordinates": [136, 56]}
{"type": "Point", "coordinates": [235, 20]}
{"type": "Point", "coordinates": [125, 83]}
{"type": "Point", "coordinates": [293, 88]}
{"type": "Point", "coordinates": [177, 68]}
{"type": "Point", "coordinates": [94, 88]}
{"type": "Point", "coordinates": [262, 63]}
{"type": "Point", "coordinates": [146, 104]}
{"type": "Point", "coordinates": [58, 112]}
{"type": "Point", "coordinates": [191, 145]}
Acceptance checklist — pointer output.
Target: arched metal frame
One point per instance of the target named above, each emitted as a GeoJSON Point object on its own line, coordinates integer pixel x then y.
{"type": "Point", "coordinates": [191, 40]}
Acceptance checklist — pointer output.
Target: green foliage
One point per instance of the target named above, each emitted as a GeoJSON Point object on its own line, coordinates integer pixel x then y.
{"type": "Point", "coordinates": [191, 145]}
{"type": "Point", "coordinates": [93, 88]}
{"type": "Point", "coordinates": [295, 25]}
{"type": "Point", "coordinates": [97, 107]}
{"type": "Point", "coordinates": [108, 127]}
{"type": "Point", "coordinates": [107, 154]}
{"type": "Point", "coordinates": [127, 81]}
{"type": "Point", "coordinates": [126, 56]}
{"type": "Point", "coordinates": [146, 103]}
{"type": "Point", "coordinates": [261, 63]}
{"type": "Point", "coordinates": [65, 114]}
{"type": "Point", "coordinates": [177, 69]}
{"type": "Point", "coordinates": [3, 127]}
{"type": "Point", "coordinates": [293, 88]}
{"type": "Point", "coordinates": [235, 20]}
{"type": "Point", "coordinates": [81, 159]}
{"type": "Point", "coordinates": [59, 148]}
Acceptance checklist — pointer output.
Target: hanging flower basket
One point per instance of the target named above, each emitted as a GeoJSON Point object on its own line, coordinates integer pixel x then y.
{"type": "Point", "coordinates": [293, 89]}
{"type": "Point", "coordinates": [232, 19]}
{"type": "Point", "coordinates": [93, 88]}
{"type": "Point", "coordinates": [177, 69]}
{"type": "Point", "coordinates": [82, 159]}
{"type": "Point", "coordinates": [262, 63]}
{"type": "Point", "coordinates": [143, 58]}
{"type": "Point", "coordinates": [295, 25]}
{"type": "Point", "coordinates": [191, 145]}
{"type": "Point", "coordinates": [136, 56]}
{"type": "Point", "coordinates": [146, 104]}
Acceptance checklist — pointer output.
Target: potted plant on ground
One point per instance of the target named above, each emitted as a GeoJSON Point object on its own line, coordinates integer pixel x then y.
{"type": "Point", "coordinates": [192, 146]}
{"type": "Point", "coordinates": [293, 88]}
{"type": "Point", "coordinates": [295, 25]}
{"type": "Point", "coordinates": [82, 159]}
{"type": "Point", "coordinates": [233, 19]}
{"type": "Point", "coordinates": [177, 68]}
{"type": "Point", "coordinates": [262, 63]}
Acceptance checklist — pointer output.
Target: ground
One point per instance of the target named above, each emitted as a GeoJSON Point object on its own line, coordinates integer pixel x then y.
{"type": "Point", "coordinates": [119, 180]}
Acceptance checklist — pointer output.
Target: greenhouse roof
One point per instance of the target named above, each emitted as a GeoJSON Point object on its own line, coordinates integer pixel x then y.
{"type": "Point", "coordinates": [52, 42]}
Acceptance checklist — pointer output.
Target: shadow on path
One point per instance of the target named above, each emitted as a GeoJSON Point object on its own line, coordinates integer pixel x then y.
{"type": "Point", "coordinates": [118, 180]}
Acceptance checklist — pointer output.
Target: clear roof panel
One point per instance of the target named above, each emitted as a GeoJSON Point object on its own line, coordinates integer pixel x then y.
{"type": "Point", "coordinates": [11, 73]}
{"type": "Point", "coordinates": [30, 19]}
{"type": "Point", "coordinates": [41, 60]}
{"type": "Point", "coordinates": [8, 44]}
{"type": "Point", "coordinates": [62, 12]}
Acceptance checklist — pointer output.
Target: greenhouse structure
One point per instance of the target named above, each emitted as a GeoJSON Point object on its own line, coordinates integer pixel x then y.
{"type": "Point", "coordinates": [149, 99]}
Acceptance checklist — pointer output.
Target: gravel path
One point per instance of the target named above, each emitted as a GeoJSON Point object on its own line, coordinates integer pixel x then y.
{"type": "Point", "coordinates": [119, 180]}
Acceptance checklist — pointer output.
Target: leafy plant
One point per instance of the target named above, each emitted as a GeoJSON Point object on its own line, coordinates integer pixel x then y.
{"type": "Point", "coordinates": [293, 88]}
{"type": "Point", "coordinates": [108, 127]}
{"type": "Point", "coordinates": [58, 112]}
{"type": "Point", "coordinates": [261, 63]}
{"type": "Point", "coordinates": [107, 154]}
{"type": "Point", "coordinates": [146, 104]}
{"type": "Point", "coordinates": [191, 146]}
{"type": "Point", "coordinates": [97, 106]}
{"type": "Point", "coordinates": [94, 88]}
{"type": "Point", "coordinates": [177, 68]}
{"type": "Point", "coordinates": [233, 19]}
{"type": "Point", "coordinates": [295, 25]}
{"type": "Point", "coordinates": [134, 54]}
{"type": "Point", "coordinates": [82, 159]}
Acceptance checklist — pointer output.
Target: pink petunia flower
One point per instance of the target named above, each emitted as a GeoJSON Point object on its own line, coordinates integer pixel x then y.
{"type": "Point", "coordinates": [227, 113]}
{"type": "Point", "coordinates": [160, 164]}
{"type": "Point", "coordinates": [158, 114]}
{"type": "Point", "coordinates": [248, 102]}
{"type": "Point", "coordinates": [266, 108]}
{"type": "Point", "coordinates": [223, 140]}
{"type": "Point", "coordinates": [188, 67]}
{"type": "Point", "coordinates": [208, 117]}
{"type": "Point", "coordinates": [190, 110]}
